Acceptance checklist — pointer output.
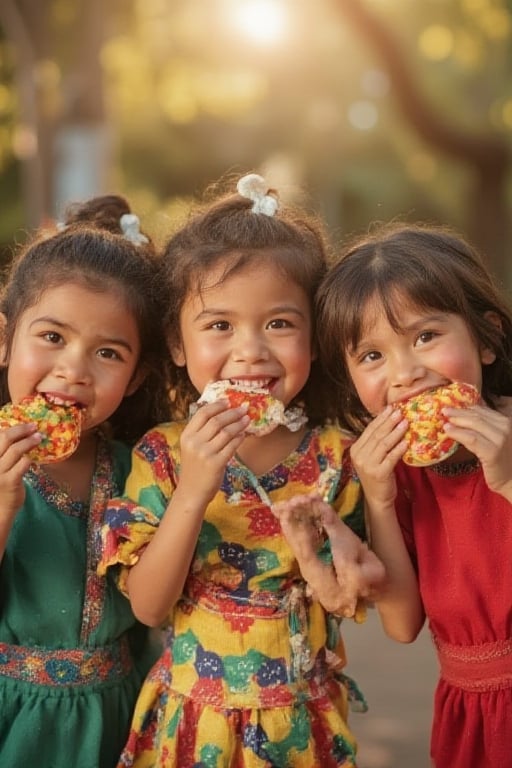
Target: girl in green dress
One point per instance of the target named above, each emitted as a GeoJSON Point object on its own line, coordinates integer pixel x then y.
{"type": "Point", "coordinates": [80, 324]}
{"type": "Point", "coordinates": [251, 675]}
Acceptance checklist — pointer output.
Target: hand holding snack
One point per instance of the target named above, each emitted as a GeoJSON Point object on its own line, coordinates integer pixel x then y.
{"type": "Point", "coordinates": [59, 424]}
{"type": "Point", "coordinates": [265, 411]}
{"type": "Point", "coordinates": [428, 443]}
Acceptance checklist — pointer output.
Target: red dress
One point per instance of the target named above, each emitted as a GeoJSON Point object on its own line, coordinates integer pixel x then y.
{"type": "Point", "coordinates": [459, 534]}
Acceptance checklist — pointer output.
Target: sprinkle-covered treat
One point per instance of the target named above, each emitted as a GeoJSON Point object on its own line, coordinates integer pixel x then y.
{"type": "Point", "coordinates": [265, 411]}
{"type": "Point", "coordinates": [59, 424]}
{"type": "Point", "coordinates": [428, 444]}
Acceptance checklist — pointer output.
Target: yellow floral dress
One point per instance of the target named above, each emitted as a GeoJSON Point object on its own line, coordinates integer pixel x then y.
{"type": "Point", "coordinates": [251, 672]}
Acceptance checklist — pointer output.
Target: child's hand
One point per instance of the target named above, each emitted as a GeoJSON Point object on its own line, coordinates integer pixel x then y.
{"type": "Point", "coordinates": [208, 442]}
{"type": "Point", "coordinates": [15, 442]}
{"type": "Point", "coordinates": [356, 571]}
{"type": "Point", "coordinates": [355, 564]}
{"type": "Point", "coordinates": [488, 434]}
{"type": "Point", "coordinates": [301, 523]}
{"type": "Point", "coordinates": [375, 454]}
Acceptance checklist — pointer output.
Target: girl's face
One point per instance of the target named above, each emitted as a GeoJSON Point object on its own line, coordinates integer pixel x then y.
{"type": "Point", "coordinates": [253, 328]}
{"type": "Point", "coordinates": [76, 344]}
{"type": "Point", "coordinates": [433, 348]}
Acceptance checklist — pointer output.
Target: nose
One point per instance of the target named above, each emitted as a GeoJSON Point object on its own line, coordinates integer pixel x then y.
{"type": "Point", "coordinates": [250, 347]}
{"type": "Point", "coordinates": [406, 369]}
{"type": "Point", "coordinates": [73, 366]}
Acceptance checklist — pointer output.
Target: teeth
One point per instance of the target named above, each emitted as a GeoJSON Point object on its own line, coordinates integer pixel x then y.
{"type": "Point", "coordinates": [254, 383]}
{"type": "Point", "coordinates": [59, 400]}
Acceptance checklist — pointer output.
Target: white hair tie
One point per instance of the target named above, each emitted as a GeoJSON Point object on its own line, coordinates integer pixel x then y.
{"type": "Point", "coordinates": [255, 188]}
{"type": "Point", "coordinates": [130, 227]}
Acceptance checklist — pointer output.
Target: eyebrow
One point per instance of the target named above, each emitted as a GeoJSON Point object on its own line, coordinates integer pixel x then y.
{"type": "Point", "coordinates": [284, 309]}
{"type": "Point", "coordinates": [52, 321]}
{"type": "Point", "coordinates": [440, 318]}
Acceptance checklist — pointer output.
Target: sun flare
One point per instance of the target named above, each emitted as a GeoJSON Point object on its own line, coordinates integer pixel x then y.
{"type": "Point", "coordinates": [262, 21]}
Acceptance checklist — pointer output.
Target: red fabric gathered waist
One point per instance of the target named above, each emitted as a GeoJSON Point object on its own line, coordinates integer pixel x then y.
{"type": "Point", "coordinates": [484, 667]}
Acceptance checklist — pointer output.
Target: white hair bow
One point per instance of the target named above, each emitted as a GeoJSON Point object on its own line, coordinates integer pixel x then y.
{"type": "Point", "coordinates": [255, 188]}
{"type": "Point", "coordinates": [130, 227]}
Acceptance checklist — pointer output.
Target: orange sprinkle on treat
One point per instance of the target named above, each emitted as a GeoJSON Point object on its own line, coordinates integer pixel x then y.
{"type": "Point", "coordinates": [265, 411]}
{"type": "Point", "coordinates": [428, 444]}
{"type": "Point", "coordinates": [60, 426]}
{"type": "Point", "coordinates": [262, 410]}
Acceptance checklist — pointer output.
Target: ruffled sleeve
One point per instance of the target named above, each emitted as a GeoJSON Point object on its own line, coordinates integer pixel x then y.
{"type": "Point", "coordinates": [131, 521]}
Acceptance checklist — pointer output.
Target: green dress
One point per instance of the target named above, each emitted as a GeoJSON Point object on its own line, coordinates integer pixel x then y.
{"type": "Point", "coordinates": [72, 655]}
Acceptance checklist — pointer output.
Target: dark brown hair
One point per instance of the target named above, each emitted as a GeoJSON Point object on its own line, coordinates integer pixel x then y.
{"type": "Point", "coordinates": [91, 250]}
{"type": "Point", "coordinates": [226, 230]}
{"type": "Point", "coordinates": [433, 268]}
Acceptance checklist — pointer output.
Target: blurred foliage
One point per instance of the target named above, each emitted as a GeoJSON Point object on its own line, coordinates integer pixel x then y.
{"type": "Point", "coordinates": [191, 89]}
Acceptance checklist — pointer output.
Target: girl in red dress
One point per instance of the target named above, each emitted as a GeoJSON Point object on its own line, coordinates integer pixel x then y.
{"type": "Point", "coordinates": [406, 309]}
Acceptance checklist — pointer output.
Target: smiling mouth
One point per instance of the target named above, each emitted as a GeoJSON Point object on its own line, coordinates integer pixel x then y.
{"type": "Point", "coordinates": [262, 383]}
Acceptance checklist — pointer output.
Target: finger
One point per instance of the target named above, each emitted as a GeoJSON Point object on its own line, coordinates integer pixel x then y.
{"type": "Point", "coordinates": [471, 431]}
{"type": "Point", "coordinates": [379, 438]}
{"type": "Point", "coordinates": [217, 414]}
{"type": "Point", "coordinates": [16, 442]}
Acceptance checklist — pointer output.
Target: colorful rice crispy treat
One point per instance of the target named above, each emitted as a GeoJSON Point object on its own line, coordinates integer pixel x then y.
{"type": "Point", "coordinates": [265, 411]}
{"type": "Point", "coordinates": [428, 444]}
{"type": "Point", "coordinates": [60, 426]}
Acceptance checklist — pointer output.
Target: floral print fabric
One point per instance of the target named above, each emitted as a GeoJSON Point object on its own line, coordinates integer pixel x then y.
{"type": "Point", "coordinates": [251, 675]}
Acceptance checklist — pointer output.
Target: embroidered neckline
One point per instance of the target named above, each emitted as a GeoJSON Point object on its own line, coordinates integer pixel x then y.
{"type": "Point", "coordinates": [455, 469]}
{"type": "Point", "coordinates": [272, 478]}
{"type": "Point", "coordinates": [102, 488]}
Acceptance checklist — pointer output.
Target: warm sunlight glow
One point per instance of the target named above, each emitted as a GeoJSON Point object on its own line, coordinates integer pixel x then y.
{"type": "Point", "coordinates": [262, 21]}
{"type": "Point", "coordinates": [436, 42]}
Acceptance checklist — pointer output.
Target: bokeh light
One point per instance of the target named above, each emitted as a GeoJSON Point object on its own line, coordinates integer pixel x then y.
{"type": "Point", "coordinates": [436, 42]}
{"type": "Point", "coordinates": [262, 21]}
{"type": "Point", "coordinates": [363, 115]}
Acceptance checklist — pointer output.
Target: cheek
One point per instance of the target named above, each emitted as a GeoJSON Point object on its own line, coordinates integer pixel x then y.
{"type": "Point", "coordinates": [460, 364]}
{"type": "Point", "coordinates": [299, 358]}
{"type": "Point", "coordinates": [25, 360]}
{"type": "Point", "coordinates": [368, 389]}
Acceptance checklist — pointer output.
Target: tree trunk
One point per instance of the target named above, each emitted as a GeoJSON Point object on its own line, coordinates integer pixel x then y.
{"type": "Point", "coordinates": [488, 156]}
{"type": "Point", "coordinates": [33, 130]}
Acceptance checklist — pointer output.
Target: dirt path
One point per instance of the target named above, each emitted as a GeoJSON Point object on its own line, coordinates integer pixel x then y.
{"type": "Point", "coordinates": [398, 682]}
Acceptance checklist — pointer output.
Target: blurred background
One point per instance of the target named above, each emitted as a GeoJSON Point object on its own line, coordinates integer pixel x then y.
{"type": "Point", "coordinates": [374, 108]}
{"type": "Point", "coordinates": [363, 110]}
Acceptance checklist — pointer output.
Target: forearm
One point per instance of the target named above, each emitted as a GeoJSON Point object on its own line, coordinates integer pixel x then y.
{"type": "Point", "coordinates": [156, 582]}
{"type": "Point", "coordinates": [399, 602]}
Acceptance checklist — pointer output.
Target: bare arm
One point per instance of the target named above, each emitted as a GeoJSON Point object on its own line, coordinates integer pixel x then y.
{"type": "Point", "coordinates": [399, 603]}
{"type": "Point", "coordinates": [210, 439]}
{"type": "Point", "coordinates": [375, 455]}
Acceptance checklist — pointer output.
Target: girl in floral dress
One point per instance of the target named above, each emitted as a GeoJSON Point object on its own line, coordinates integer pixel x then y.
{"type": "Point", "coordinates": [252, 670]}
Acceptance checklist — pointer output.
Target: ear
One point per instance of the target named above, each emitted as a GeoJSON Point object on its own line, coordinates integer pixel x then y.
{"type": "Point", "coordinates": [487, 356]}
{"type": "Point", "coordinates": [177, 353]}
{"type": "Point", "coordinates": [136, 380]}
